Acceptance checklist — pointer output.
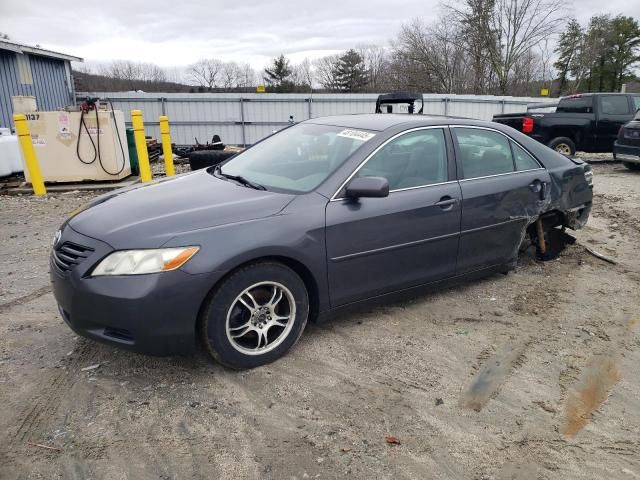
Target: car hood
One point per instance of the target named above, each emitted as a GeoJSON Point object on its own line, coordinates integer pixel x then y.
{"type": "Point", "coordinates": [148, 215]}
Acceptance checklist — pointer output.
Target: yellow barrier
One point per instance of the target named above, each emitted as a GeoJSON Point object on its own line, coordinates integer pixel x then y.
{"type": "Point", "coordinates": [29, 153]}
{"type": "Point", "coordinates": [166, 147]}
{"type": "Point", "coordinates": [141, 145]}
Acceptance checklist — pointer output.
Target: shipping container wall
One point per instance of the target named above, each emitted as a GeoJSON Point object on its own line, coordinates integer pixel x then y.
{"type": "Point", "coordinates": [243, 119]}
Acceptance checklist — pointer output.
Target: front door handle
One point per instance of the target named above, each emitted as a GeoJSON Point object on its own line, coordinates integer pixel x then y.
{"type": "Point", "coordinates": [446, 202]}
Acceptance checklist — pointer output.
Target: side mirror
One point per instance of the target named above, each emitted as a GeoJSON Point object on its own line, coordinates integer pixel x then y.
{"type": "Point", "coordinates": [371, 187]}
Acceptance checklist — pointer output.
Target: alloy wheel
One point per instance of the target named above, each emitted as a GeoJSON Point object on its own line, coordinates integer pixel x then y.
{"type": "Point", "coordinates": [260, 318]}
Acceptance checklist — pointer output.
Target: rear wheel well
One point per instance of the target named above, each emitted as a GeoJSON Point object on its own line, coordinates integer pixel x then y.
{"type": "Point", "coordinates": [555, 238]}
{"type": "Point", "coordinates": [551, 219]}
{"type": "Point", "coordinates": [298, 267]}
{"type": "Point", "coordinates": [565, 132]}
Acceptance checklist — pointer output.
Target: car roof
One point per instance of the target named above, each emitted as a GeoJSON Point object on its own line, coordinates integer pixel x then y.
{"type": "Point", "coordinates": [379, 122]}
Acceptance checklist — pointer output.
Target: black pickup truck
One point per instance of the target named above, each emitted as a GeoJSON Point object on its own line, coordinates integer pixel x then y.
{"type": "Point", "coordinates": [588, 122]}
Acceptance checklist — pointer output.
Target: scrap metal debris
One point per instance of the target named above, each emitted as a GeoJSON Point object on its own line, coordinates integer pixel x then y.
{"type": "Point", "coordinates": [46, 447]}
{"type": "Point", "coordinates": [90, 367]}
{"type": "Point", "coordinates": [392, 440]}
{"type": "Point", "coordinates": [600, 255]}
{"type": "Point", "coordinates": [591, 392]}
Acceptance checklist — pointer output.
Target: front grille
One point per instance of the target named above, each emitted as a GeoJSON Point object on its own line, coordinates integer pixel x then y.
{"type": "Point", "coordinates": [69, 255]}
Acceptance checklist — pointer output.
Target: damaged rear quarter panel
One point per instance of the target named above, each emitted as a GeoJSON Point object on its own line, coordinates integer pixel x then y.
{"type": "Point", "coordinates": [569, 191]}
{"type": "Point", "coordinates": [571, 194]}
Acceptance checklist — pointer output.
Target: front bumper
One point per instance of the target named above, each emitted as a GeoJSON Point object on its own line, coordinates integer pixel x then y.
{"type": "Point", "coordinates": [626, 153]}
{"type": "Point", "coordinates": [153, 314]}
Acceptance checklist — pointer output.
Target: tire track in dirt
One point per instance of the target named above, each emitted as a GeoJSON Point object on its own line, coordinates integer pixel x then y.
{"type": "Point", "coordinates": [46, 403]}
{"type": "Point", "coordinates": [492, 375]}
{"type": "Point", "coordinates": [25, 298]}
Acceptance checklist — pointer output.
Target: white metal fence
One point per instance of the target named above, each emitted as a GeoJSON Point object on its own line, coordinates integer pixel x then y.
{"type": "Point", "coordinates": [243, 119]}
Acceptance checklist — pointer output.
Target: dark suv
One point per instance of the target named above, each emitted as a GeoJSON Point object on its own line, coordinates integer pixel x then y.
{"type": "Point", "coordinates": [627, 146]}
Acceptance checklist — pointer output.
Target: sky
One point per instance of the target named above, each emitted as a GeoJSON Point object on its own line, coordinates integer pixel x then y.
{"type": "Point", "coordinates": [174, 33]}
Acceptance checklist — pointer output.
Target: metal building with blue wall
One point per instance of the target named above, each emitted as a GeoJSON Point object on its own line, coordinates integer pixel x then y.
{"type": "Point", "coordinates": [33, 71]}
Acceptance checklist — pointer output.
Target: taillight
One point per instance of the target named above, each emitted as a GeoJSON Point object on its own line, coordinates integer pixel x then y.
{"type": "Point", "coordinates": [527, 125]}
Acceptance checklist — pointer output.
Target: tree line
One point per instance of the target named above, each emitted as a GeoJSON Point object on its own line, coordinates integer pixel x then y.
{"type": "Point", "coordinates": [505, 47]}
{"type": "Point", "coordinates": [599, 57]}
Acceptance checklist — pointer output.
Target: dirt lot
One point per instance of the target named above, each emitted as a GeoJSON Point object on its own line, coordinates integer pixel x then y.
{"type": "Point", "coordinates": [524, 376]}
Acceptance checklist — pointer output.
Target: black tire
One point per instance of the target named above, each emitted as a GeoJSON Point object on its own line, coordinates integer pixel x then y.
{"type": "Point", "coordinates": [208, 158]}
{"type": "Point", "coordinates": [224, 306]}
{"type": "Point", "coordinates": [632, 166]}
{"type": "Point", "coordinates": [563, 145]}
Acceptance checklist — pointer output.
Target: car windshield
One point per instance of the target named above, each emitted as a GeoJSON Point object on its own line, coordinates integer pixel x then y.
{"type": "Point", "coordinates": [297, 159]}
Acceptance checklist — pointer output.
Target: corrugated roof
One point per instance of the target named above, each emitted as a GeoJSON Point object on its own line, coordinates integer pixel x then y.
{"type": "Point", "coordinates": [19, 48]}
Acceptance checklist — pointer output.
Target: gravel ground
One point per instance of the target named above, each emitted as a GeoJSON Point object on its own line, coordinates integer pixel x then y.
{"type": "Point", "coordinates": [524, 376]}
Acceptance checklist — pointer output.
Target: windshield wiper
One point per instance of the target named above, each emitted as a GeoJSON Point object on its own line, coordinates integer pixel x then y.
{"type": "Point", "coordinates": [240, 179]}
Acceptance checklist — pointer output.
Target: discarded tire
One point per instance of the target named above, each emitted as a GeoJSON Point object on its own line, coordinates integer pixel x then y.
{"type": "Point", "coordinates": [208, 158]}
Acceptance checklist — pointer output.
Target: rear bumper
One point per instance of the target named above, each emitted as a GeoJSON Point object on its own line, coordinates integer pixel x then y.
{"type": "Point", "coordinates": [152, 314]}
{"type": "Point", "coordinates": [626, 153]}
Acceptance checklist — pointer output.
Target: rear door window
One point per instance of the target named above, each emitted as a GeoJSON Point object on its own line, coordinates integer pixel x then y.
{"type": "Point", "coordinates": [483, 152]}
{"type": "Point", "coordinates": [524, 161]}
{"type": "Point", "coordinates": [614, 105]}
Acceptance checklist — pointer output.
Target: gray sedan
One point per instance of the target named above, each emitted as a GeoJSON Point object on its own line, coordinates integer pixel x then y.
{"type": "Point", "coordinates": [322, 215]}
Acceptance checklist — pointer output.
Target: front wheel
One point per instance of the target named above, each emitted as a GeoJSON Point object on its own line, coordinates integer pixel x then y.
{"type": "Point", "coordinates": [255, 316]}
{"type": "Point", "coordinates": [563, 145]}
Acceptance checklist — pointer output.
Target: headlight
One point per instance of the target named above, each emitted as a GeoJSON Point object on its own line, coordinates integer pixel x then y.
{"type": "Point", "coordinates": [138, 262]}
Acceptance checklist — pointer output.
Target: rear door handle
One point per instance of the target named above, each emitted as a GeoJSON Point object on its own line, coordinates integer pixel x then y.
{"type": "Point", "coordinates": [446, 203]}
{"type": "Point", "coordinates": [539, 187]}
{"type": "Point", "coordinates": [535, 186]}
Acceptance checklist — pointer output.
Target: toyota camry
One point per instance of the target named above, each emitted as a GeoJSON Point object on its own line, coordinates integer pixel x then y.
{"type": "Point", "coordinates": [321, 215]}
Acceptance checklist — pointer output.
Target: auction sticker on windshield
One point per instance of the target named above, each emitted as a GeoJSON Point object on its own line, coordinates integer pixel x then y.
{"type": "Point", "coordinates": [356, 134]}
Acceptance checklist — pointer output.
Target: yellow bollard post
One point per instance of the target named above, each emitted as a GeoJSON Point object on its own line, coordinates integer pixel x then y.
{"type": "Point", "coordinates": [29, 153]}
{"type": "Point", "coordinates": [141, 146]}
{"type": "Point", "coordinates": [166, 147]}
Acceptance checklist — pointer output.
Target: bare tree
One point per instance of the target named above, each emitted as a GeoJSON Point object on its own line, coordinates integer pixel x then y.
{"type": "Point", "coordinates": [134, 71]}
{"type": "Point", "coordinates": [302, 75]}
{"type": "Point", "coordinates": [229, 75]}
{"type": "Point", "coordinates": [528, 72]}
{"type": "Point", "coordinates": [430, 57]}
{"type": "Point", "coordinates": [508, 29]}
{"type": "Point", "coordinates": [206, 72]}
{"type": "Point", "coordinates": [473, 26]}
{"type": "Point", "coordinates": [246, 76]}
{"type": "Point", "coordinates": [545, 63]}
{"type": "Point", "coordinates": [376, 60]}
{"type": "Point", "coordinates": [324, 70]}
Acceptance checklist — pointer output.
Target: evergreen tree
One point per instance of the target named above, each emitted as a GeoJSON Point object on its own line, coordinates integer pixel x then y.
{"type": "Point", "coordinates": [568, 51]}
{"type": "Point", "coordinates": [350, 72]}
{"type": "Point", "coordinates": [625, 50]}
{"type": "Point", "coordinates": [277, 77]}
{"type": "Point", "coordinates": [604, 55]}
